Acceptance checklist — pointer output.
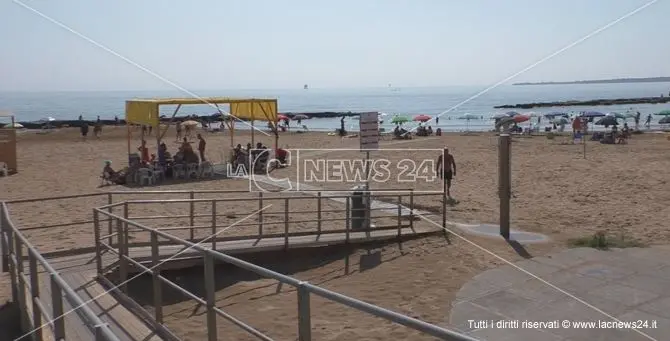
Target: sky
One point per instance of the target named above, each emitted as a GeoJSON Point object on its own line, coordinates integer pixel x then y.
{"type": "Point", "coordinates": [270, 44]}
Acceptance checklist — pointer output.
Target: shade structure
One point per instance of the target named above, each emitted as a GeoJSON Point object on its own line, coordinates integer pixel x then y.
{"type": "Point", "coordinates": [146, 112]}
{"type": "Point", "coordinates": [664, 120]}
{"type": "Point", "coordinates": [422, 118]}
{"type": "Point", "coordinates": [281, 117]}
{"type": "Point", "coordinates": [520, 118]}
{"type": "Point", "coordinates": [607, 121]}
{"type": "Point", "coordinates": [499, 116]}
{"type": "Point", "coordinates": [616, 115]}
{"type": "Point", "coordinates": [511, 113]}
{"type": "Point", "coordinates": [556, 114]}
{"type": "Point", "coordinates": [592, 114]}
{"type": "Point", "coordinates": [468, 116]}
{"type": "Point", "coordinates": [300, 117]}
{"type": "Point", "coordinates": [399, 119]}
{"type": "Point", "coordinates": [560, 120]}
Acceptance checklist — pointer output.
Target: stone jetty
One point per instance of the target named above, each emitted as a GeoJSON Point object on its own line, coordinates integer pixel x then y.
{"type": "Point", "coordinates": [588, 103]}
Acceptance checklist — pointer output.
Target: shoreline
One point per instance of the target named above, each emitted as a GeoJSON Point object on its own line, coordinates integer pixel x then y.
{"type": "Point", "coordinates": [591, 102]}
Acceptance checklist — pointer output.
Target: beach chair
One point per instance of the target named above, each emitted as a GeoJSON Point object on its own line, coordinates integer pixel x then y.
{"type": "Point", "coordinates": [4, 169]}
{"type": "Point", "coordinates": [106, 179]}
{"type": "Point", "coordinates": [206, 170]}
{"type": "Point", "coordinates": [145, 177]}
{"type": "Point", "coordinates": [192, 170]}
{"type": "Point", "coordinates": [178, 171]}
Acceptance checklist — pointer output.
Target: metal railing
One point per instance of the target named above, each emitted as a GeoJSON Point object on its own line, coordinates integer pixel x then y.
{"type": "Point", "coordinates": [210, 256]}
{"type": "Point", "coordinates": [26, 289]}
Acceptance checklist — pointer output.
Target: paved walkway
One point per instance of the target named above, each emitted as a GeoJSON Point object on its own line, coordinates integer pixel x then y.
{"type": "Point", "coordinates": [628, 284]}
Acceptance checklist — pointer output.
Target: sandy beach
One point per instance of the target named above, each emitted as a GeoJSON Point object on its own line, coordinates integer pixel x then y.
{"type": "Point", "coordinates": [620, 189]}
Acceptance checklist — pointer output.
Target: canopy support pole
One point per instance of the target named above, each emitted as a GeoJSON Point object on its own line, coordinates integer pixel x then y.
{"type": "Point", "coordinates": [162, 134]}
{"type": "Point", "coordinates": [253, 118]}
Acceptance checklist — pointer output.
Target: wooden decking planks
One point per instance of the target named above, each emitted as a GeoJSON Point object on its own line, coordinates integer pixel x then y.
{"type": "Point", "coordinates": [80, 271]}
{"type": "Point", "coordinates": [123, 323]}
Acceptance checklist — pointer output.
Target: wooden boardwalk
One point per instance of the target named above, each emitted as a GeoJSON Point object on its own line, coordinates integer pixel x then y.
{"type": "Point", "coordinates": [80, 273]}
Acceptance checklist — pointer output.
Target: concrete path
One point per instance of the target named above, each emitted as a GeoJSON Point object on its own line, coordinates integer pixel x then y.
{"type": "Point", "coordinates": [628, 284]}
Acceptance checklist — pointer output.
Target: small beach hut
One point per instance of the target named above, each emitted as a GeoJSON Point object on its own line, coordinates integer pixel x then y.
{"type": "Point", "coordinates": [246, 110]}
{"type": "Point", "coordinates": [8, 154]}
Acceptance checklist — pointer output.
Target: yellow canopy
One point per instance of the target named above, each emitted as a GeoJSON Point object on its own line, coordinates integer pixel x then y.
{"type": "Point", "coordinates": [146, 111]}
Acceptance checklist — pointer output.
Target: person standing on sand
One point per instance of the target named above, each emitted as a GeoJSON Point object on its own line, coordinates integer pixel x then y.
{"type": "Point", "coordinates": [201, 147]}
{"type": "Point", "coordinates": [446, 168]}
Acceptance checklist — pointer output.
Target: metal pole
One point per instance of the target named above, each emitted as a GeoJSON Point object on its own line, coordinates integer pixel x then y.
{"type": "Point", "coordinates": [3, 246]}
{"type": "Point", "coordinates": [155, 261]}
{"type": "Point", "coordinates": [35, 293]}
{"type": "Point", "coordinates": [318, 212]}
{"type": "Point", "coordinates": [260, 214]}
{"type": "Point", "coordinates": [96, 236]}
{"type": "Point", "coordinates": [214, 225]}
{"type": "Point", "coordinates": [286, 218]}
{"type": "Point", "coordinates": [191, 213]}
{"type": "Point", "coordinates": [444, 189]}
{"type": "Point", "coordinates": [504, 183]}
{"type": "Point", "coordinates": [210, 297]}
{"type": "Point", "coordinates": [57, 308]}
{"type": "Point", "coordinates": [366, 194]}
{"type": "Point", "coordinates": [123, 263]}
{"type": "Point", "coordinates": [304, 315]}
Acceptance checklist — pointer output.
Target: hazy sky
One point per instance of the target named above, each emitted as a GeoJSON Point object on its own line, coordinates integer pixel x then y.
{"type": "Point", "coordinates": [264, 44]}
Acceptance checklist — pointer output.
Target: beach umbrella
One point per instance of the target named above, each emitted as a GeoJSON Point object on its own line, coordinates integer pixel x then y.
{"type": "Point", "coordinates": [532, 114]}
{"type": "Point", "coordinates": [190, 123]}
{"type": "Point", "coordinates": [592, 114]}
{"type": "Point", "coordinates": [469, 116]}
{"type": "Point", "coordinates": [301, 117]}
{"type": "Point", "coordinates": [499, 116]}
{"type": "Point", "coordinates": [421, 118]}
{"type": "Point", "coordinates": [607, 121]}
{"type": "Point", "coordinates": [399, 119]}
{"type": "Point", "coordinates": [616, 115]}
{"type": "Point", "coordinates": [554, 114]}
{"type": "Point", "coordinates": [663, 113]}
{"type": "Point", "coordinates": [664, 120]}
{"type": "Point", "coordinates": [281, 117]}
{"type": "Point", "coordinates": [629, 114]}
{"type": "Point", "coordinates": [511, 113]}
{"type": "Point", "coordinates": [560, 121]}
{"type": "Point", "coordinates": [520, 118]}
{"type": "Point", "coordinates": [504, 122]}
{"type": "Point", "coordinates": [14, 125]}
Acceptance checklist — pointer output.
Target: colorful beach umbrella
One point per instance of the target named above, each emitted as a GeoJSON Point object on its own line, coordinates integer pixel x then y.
{"type": "Point", "coordinates": [554, 114]}
{"type": "Point", "coordinates": [499, 116]}
{"type": "Point", "coordinates": [663, 113]}
{"type": "Point", "coordinates": [420, 118]}
{"type": "Point", "coordinates": [520, 118]}
{"type": "Point", "coordinates": [616, 115]}
{"type": "Point", "coordinates": [281, 117]}
{"type": "Point", "coordinates": [468, 116]}
{"type": "Point", "coordinates": [300, 117]}
{"type": "Point", "coordinates": [592, 114]}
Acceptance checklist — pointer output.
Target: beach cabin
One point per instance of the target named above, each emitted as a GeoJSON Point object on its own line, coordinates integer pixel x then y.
{"type": "Point", "coordinates": [8, 158]}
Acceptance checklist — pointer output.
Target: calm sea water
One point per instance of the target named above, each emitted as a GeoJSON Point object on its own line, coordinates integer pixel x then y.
{"type": "Point", "coordinates": [406, 101]}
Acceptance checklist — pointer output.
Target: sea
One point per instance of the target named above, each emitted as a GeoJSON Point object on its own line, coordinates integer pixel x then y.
{"type": "Point", "coordinates": [451, 102]}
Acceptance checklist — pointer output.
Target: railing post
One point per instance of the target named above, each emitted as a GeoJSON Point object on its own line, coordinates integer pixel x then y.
{"type": "Point", "coordinates": [191, 214]}
{"type": "Point", "coordinates": [126, 214]}
{"type": "Point", "coordinates": [35, 293]}
{"type": "Point", "coordinates": [23, 306]}
{"type": "Point", "coordinates": [13, 275]}
{"type": "Point", "coordinates": [348, 222]}
{"type": "Point", "coordinates": [286, 217]}
{"type": "Point", "coordinates": [411, 209]}
{"type": "Point", "coordinates": [318, 212]}
{"type": "Point", "coordinates": [123, 263]}
{"type": "Point", "coordinates": [214, 224]}
{"type": "Point", "coordinates": [210, 295]}
{"type": "Point", "coordinates": [157, 289]}
{"type": "Point", "coordinates": [57, 309]}
{"type": "Point", "coordinates": [3, 245]}
{"type": "Point", "coordinates": [260, 214]}
{"type": "Point", "coordinates": [96, 236]}
{"type": "Point", "coordinates": [399, 215]}
{"type": "Point", "coordinates": [304, 315]}
{"type": "Point", "coordinates": [110, 226]}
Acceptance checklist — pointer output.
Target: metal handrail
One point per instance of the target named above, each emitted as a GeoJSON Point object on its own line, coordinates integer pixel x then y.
{"type": "Point", "coordinates": [99, 329]}
{"type": "Point", "coordinates": [304, 289]}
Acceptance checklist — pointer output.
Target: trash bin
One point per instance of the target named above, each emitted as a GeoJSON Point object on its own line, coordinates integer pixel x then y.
{"type": "Point", "coordinates": [359, 208]}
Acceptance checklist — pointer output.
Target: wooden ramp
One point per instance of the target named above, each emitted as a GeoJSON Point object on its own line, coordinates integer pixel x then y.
{"type": "Point", "coordinates": [79, 272]}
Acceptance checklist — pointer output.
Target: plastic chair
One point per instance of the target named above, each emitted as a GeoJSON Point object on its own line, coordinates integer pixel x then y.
{"type": "Point", "coordinates": [159, 173]}
{"type": "Point", "coordinates": [192, 170]}
{"type": "Point", "coordinates": [206, 170]}
{"type": "Point", "coordinates": [146, 176]}
{"type": "Point", "coordinates": [4, 169]}
{"type": "Point", "coordinates": [178, 171]}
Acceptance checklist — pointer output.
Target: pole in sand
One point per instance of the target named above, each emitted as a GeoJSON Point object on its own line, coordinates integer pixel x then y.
{"type": "Point", "coordinates": [504, 182]}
